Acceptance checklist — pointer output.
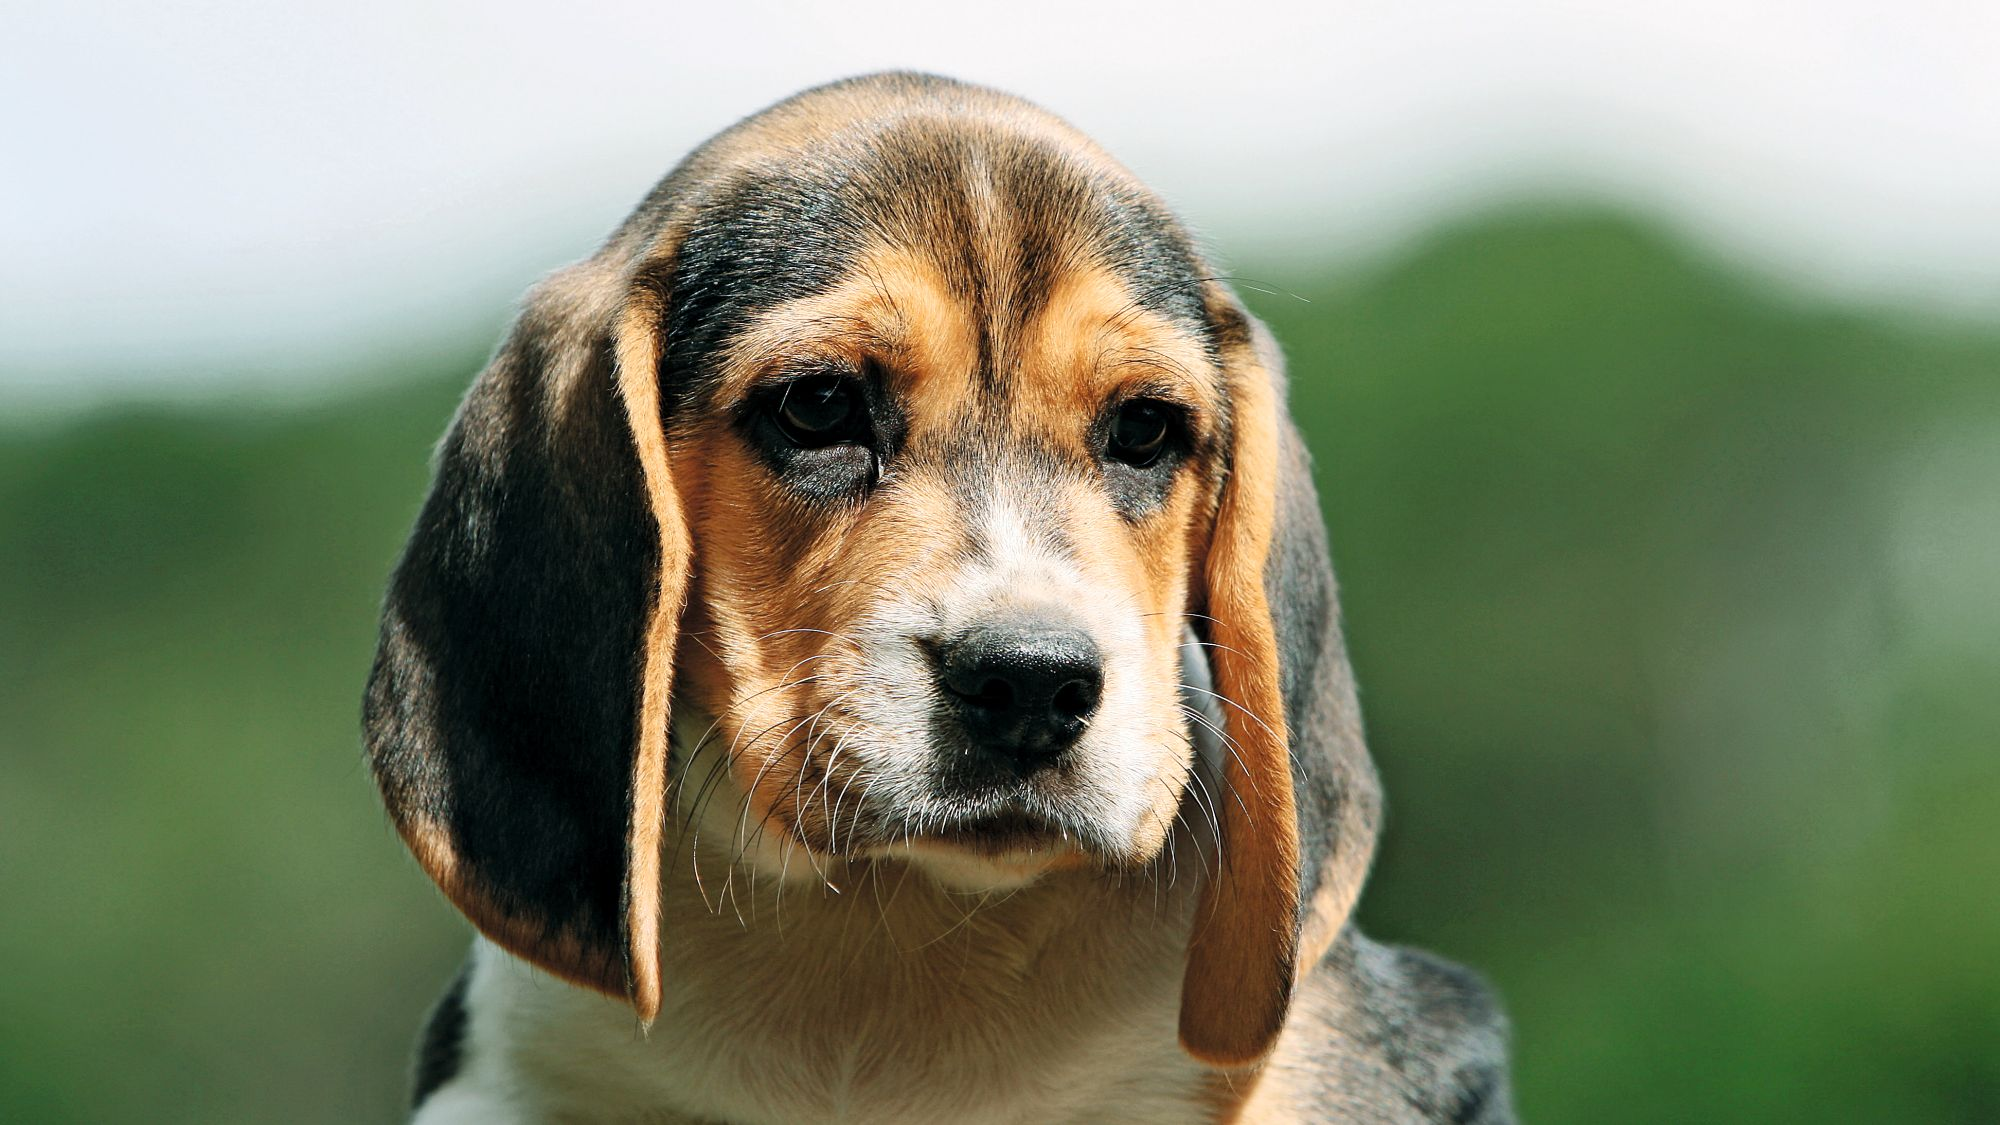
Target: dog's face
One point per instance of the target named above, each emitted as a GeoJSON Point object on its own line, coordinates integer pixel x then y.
{"type": "Point", "coordinates": [945, 510]}
{"type": "Point", "coordinates": [894, 447]}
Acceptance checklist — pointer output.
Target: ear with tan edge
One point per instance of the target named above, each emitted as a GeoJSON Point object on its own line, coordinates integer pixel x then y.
{"type": "Point", "coordinates": [1299, 830]}
{"type": "Point", "coordinates": [1243, 952]}
{"type": "Point", "coordinates": [516, 715]}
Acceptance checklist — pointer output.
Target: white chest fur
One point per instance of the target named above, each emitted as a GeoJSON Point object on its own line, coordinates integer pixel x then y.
{"type": "Point", "coordinates": [893, 1001]}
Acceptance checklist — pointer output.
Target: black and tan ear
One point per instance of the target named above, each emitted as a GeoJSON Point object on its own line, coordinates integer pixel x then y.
{"type": "Point", "coordinates": [1298, 817]}
{"type": "Point", "coordinates": [516, 715]}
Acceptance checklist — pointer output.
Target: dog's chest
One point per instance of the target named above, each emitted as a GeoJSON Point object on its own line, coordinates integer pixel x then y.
{"type": "Point", "coordinates": [988, 1020]}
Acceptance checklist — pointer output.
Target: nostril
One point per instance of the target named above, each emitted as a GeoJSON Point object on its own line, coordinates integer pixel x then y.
{"type": "Point", "coordinates": [1075, 700]}
{"type": "Point", "coordinates": [995, 694]}
{"type": "Point", "coordinates": [982, 687]}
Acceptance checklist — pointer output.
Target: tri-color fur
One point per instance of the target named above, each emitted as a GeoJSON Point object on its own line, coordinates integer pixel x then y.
{"type": "Point", "coordinates": [655, 701]}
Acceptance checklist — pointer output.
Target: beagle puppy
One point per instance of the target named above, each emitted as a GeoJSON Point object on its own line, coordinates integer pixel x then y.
{"type": "Point", "coordinates": [869, 654]}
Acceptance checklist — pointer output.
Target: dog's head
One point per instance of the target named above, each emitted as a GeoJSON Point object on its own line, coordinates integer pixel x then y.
{"type": "Point", "coordinates": [903, 436]}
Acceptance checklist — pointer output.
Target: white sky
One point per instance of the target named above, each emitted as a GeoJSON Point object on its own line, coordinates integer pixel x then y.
{"type": "Point", "coordinates": [197, 192]}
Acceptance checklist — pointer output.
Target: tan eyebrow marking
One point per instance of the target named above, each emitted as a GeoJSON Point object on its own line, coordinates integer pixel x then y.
{"type": "Point", "coordinates": [1092, 340]}
{"type": "Point", "coordinates": [893, 306]}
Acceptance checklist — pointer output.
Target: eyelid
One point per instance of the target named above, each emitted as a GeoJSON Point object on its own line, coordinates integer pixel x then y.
{"type": "Point", "coordinates": [1192, 419]}
{"type": "Point", "coordinates": [768, 387]}
{"type": "Point", "coordinates": [1163, 396]}
{"type": "Point", "coordinates": [798, 371]}
{"type": "Point", "coordinates": [1156, 384]}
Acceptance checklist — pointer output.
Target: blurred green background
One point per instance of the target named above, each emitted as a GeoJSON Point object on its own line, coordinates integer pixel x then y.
{"type": "Point", "coordinates": [1673, 597]}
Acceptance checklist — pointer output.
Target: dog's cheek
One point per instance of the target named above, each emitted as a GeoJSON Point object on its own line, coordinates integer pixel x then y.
{"type": "Point", "coordinates": [702, 677]}
{"type": "Point", "coordinates": [1163, 542]}
{"type": "Point", "coordinates": [803, 584]}
{"type": "Point", "coordinates": [726, 665]}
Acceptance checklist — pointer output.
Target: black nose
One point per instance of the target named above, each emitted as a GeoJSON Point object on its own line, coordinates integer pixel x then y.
{"type": "Point", "coordinates": [1024, 689]}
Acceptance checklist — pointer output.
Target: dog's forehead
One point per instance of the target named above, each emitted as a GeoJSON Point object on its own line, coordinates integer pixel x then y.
{"type": "Point", "coordinates": [1011, 229]}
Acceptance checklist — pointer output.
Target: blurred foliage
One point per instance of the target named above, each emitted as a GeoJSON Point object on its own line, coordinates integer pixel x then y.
{"type": "Point", "coordinates": [1674, 605]}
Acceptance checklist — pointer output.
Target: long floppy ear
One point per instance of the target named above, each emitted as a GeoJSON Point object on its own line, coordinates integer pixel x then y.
{"type": "Point", "coordinates": [1301, 803]}
{"type": "Point", "coordinates": [516, 715]}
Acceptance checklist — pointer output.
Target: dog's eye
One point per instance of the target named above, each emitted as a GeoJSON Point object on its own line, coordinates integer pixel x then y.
{"type": "Point", "coordinates": [821, 410]}
{"type": "Point", "coordinates": [1139, 431]}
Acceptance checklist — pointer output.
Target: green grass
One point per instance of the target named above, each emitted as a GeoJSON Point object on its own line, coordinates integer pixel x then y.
{"type": "Point", "coordinates": [1672, 601]}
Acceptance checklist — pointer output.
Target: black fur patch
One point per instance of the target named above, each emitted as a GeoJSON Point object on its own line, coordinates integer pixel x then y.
{"type": "Point", "coordinates": [441, 1047]}
{"type": "Point", "coordinates": [502, 701]}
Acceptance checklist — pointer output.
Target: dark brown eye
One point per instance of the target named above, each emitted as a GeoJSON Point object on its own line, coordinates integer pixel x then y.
{"type": "Point", "coordinates": [821, 410]}
{"type": "Point", "coordinates": [1139, 431]}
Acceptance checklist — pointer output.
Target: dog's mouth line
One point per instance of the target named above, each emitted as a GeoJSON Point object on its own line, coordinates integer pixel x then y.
{"type": "Point", "coordinates": [1011, 832]}
{"type": "Point", "coordinates": [1013, 829]}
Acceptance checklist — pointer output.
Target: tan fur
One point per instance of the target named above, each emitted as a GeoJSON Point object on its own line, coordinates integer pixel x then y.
{"type": "Point", "coordinates": [639, 387]}
{"type": "Point", "coordinates": [894, 306]}
{"type": "Point", "coordinates": [1090, 338]}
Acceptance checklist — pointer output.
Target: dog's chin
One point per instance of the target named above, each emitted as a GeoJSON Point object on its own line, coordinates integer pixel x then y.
{"type": "Point", "coordinates": [998, 853]}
